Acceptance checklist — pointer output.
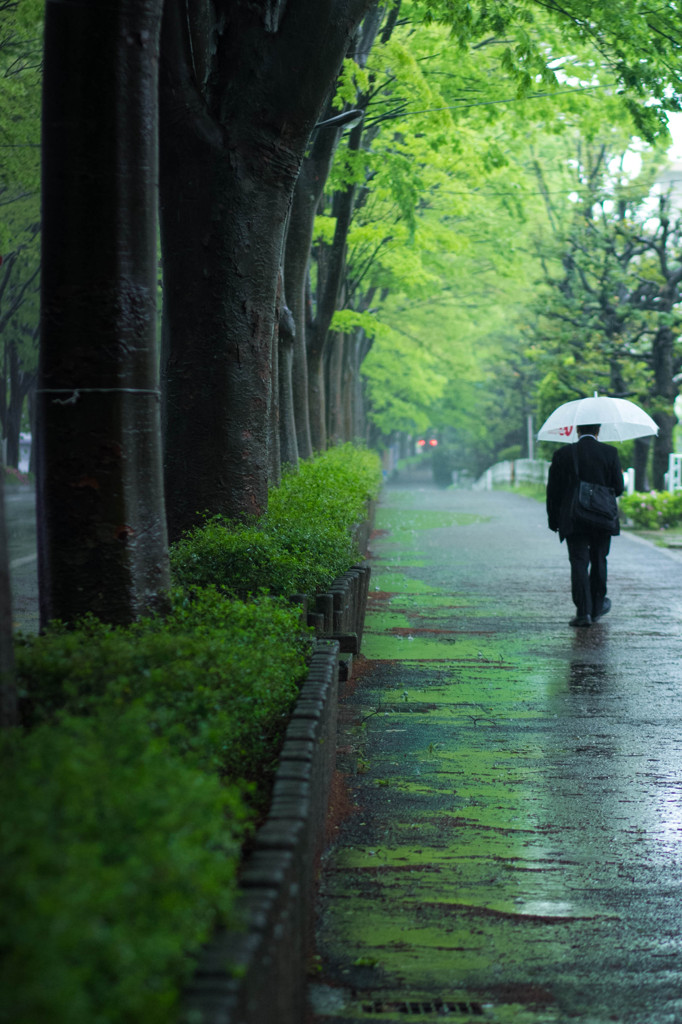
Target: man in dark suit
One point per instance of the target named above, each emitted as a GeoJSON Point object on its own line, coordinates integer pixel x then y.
{"type": "Point", "coordinates": [587, 548]}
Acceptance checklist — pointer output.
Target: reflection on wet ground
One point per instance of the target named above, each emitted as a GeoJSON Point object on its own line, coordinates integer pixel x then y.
{"type": "Point", "coordinates": [586, 678]}
{"type": "Point", "coordinates": [516, 841]}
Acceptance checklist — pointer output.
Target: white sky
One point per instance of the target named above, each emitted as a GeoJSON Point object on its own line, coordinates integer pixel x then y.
{"type": "Point", "coordinates": [675, 124]}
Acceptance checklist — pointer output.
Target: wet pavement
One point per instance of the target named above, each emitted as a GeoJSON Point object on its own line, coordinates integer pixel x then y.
{"type": "Point", "coordinates": [509, 846]}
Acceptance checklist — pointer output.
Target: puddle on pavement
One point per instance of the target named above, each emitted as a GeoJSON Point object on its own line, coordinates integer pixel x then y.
{"type": "Point", "coordinates": [397, 521]}
{"type": "Point", "coordinates": [503, 807]}
{"type": "Point", "coordinates": [398, 583]}
{"type": "Point", "coordinates": [378, 646]}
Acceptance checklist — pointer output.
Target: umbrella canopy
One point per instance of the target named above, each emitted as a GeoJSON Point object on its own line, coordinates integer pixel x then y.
{"type": "Point", "coordinates": [620, 420]}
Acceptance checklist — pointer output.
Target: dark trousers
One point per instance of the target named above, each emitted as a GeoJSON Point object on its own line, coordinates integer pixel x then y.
{"type": "Point", "coordinates": [587, 554]}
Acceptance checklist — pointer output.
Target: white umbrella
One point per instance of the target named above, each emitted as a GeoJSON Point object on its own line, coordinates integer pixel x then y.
{"type": "Point", "coordinates": [620, 420]}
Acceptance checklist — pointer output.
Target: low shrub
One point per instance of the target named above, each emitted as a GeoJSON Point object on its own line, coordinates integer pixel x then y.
{"type": "Point", "coordinates": [242, 558]}
{"type": "Point", "coordinates": [331, 490]}
{"type": "Point", "coordinates": [652, 510]}
{"type": "Point", "coordinates": [146, 755]}
{"type": "Point", "coordinates": [14, 477]}
{"type": "Point", "coordinates": [217, 677]}
{"type": "Point", "coordinates": [303, 542]}
{"type": "Point", "coordinates": [117, 857]}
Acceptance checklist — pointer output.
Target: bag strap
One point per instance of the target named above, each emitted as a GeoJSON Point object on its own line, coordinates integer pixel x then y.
{"type": "Point", "coordinates": [575, 460]}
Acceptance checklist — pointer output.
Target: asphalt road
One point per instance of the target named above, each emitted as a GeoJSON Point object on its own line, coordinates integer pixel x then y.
{"type": "Point", "coordinates": [20, 513]}
{"type": "Point", "coordinates": [509, 845]}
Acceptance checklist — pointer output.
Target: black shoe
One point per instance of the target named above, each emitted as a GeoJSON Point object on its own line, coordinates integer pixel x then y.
{"type": "Point", "coordinates": [581, 620]}
{"type": "Point", "coordinates": [606, 607]}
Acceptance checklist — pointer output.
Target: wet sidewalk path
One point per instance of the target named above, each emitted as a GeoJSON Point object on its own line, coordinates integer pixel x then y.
{"type": "Point", "coordinates": [512, 849]}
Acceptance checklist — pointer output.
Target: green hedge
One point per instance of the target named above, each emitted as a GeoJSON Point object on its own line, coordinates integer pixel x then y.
{"type": "Point", "coordinates": [216, 676]}
{"type": "Point", "coordinates": [303, 543]}
{"type": "Point", "coordinates": [653, 510]}
{"type": "Point", "coordinates": [125, 802]}
{"type": "Point", "coordinates": [146, 755]}
{"type": "Point", "coordinates": [117, 858]}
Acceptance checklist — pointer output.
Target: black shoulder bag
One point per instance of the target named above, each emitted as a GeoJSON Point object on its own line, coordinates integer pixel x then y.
{"type": "Point", "coordinates": [593, 506]}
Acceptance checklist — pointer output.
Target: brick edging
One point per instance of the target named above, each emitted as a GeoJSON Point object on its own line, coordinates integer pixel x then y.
{"type": "Point", "coordinates": [250, 976]}
{"type": "Point", "coordinates": [259, 974]}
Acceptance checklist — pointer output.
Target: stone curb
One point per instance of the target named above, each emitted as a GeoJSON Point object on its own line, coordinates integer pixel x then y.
{"type": "Point", "coordinates": [259, 974]}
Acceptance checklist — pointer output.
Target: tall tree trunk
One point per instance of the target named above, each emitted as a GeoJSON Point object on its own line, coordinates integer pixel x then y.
{"type": "Point", "coordinates": [374, 436]}
{"type": "Point", "coordinates": [238, 102]}
{"type": "Point", "coordinates": [663, 352]}
{"type": "Point", "coordinates": [663, 446]}
{"type": "Point", "coordinates": [223, 211]}
{"type": "Point", "coordinates": [640, 461]}
{"type": "Point", "coordinates": [335, 388]}
{"type": "Point", "coordinates": [331, 270]}
{"type": "Point", "coordinates": [274, 450]}
{"type": "Point", "coordinates": [309, 187]}
{"type": "Point", "coordinates": [310, 416]}
{"type": "Point", "coordinates": [221, 317]}
{"type": "Point", "coordinates": [317, 391]}
{"type": "Point", "coordinates": [102, 544]}
{"type": "Point", "coordinates": [364, 346]}
{"type": "Point", "coordinates": [287, 423]}
{"type": "Point", "coordinates": [347, 384]}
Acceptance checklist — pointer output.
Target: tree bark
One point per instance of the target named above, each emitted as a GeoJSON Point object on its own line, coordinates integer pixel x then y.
{"type": "Point", "coordinates": [274, 451]}
{"type": "Point", "coordinates": [224, 204]}
{"type": "Point", "coordinates": [237, 107]}
{"type": "Point", "coordinates": [309, 187]}
{"type": "Point", "coordinates": [336, 432]}
{"type": "Point", "coordinates": [102, 544]}
{"type": "Point", "coordinates": [308, 393]}
{"type": "Point", "coordinates": [287, 422]}
{"type": "Point", "coordinates": [663, 352]}
{"type": "Point", "coordinates": [348, 385]}
{"type": "Point", "coordinates": [665, 363]}
{"type": "Point", "coordinates": [331, 270]}
{"type": "Point", "coordinates": [640, 461]}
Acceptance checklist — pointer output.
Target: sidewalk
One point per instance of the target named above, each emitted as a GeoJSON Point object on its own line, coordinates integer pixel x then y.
{"type": "Point", "coordinates": [512, 843]}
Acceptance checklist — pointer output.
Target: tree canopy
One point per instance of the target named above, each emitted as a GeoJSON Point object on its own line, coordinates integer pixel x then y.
{"type": "Point", "coordinates": [374, 219]}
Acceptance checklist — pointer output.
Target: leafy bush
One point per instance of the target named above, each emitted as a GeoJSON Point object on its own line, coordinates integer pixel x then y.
{"type": "Point", "coordinates": [116, 858]}
{"type": "Point", "coordinates": [303, 542]}
{"type": "Point", "coordinates": [514, 451]}
{"type": "Point", "coordinates": [243, 558]}
{"type": "Point", "coordinates": [216, 677]}
{"type": "Point", "coordinates": [332, 488]}
{"type": "Point", "coordinates": [148, 750]}
{"type": "Point", "coordinates": [125, 805]}
{"type": "Point", "coordinates": [652, 510]}
{"type": "Point", "coordinates": [14, 476]}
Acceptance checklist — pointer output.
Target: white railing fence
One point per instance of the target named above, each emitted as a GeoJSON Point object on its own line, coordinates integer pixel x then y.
{"type": "Point", "coordinates": [673, 478]}
{"type": "Point", "coordinates": [536, 470]}
{"type": "Point", "coordinates": [513, 472]}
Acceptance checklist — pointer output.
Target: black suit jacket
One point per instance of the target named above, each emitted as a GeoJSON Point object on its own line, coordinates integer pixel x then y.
{"type": "Point", "coordinates": [597, 464]}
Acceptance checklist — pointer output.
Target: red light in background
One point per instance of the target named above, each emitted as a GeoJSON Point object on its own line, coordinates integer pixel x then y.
{"type": "Point", "coordinates": [421, 443]}
{"type": "Point", "coordinates": [433, 443]}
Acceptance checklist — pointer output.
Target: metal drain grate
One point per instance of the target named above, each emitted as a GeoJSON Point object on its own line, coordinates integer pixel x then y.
{"type": "Point", "coordinates": [425, 1008]}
